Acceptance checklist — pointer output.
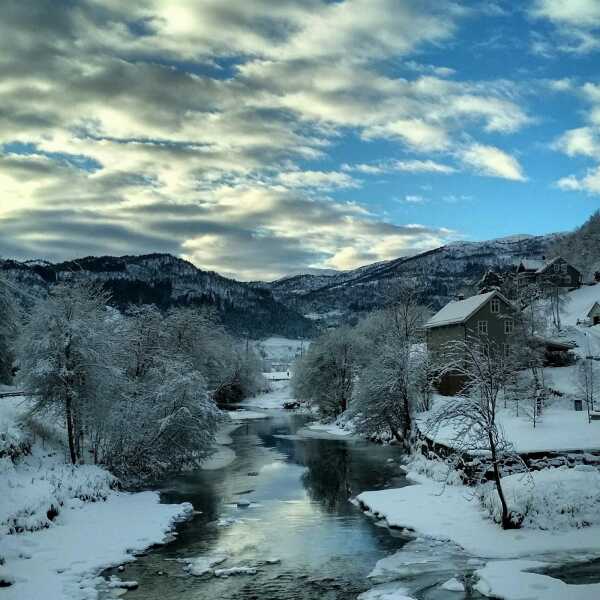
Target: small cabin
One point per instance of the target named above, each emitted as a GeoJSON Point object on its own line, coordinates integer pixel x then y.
{"type": "Point", "coordinates": [592, 313]}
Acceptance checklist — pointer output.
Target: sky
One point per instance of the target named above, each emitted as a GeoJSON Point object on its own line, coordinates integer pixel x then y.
{"type": "Point", "coordinates": [259, 138]}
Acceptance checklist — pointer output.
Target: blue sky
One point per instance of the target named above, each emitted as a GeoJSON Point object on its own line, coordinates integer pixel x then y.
{"type": "Point", "coordinates": [259, 139]}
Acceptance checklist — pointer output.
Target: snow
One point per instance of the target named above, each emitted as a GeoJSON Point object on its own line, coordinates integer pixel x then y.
{"type": "Point", "coordinates": [277, 375]}
{"type": "Point", "coordinates": [235, 571]}
{"type": "Point", "coordinates": [58, 556]}
{"type": "Point", "coordinates": [453, 513]}
{"type": "Point", "coordinates": [453, 585]}
{"type": "Point", "coordinates": [63, 561]}
{"type": "Point", "coordinates": [460, 310]}
{"type": "Point", "coordinates": [385, 592]}
{"type": "Point", "coordinates": [322, 430]}
{"type": "Point", "coordinates": [510, 580]}
{"type": "Point", "coordinates": [247, 415]}
{"type": "Point", "coordinates": [222, 456]}
{"type": "Point", "coordinates": [558, 429]}
{"type": "Point", "coordinates": [279, 393]}
{"type": "Point", "coordinates": [551, 499]}
{"type": "Point", "coordinates": [203, 565]}
{"type": "Point", "coordinates": [579, 303]}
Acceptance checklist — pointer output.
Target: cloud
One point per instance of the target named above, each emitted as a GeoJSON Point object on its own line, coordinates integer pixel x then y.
{"type": "Point", "coordinates": [406, 166]}
{"type": "Point", "coordinates": [584, 141]}
{"type": "Point", "coordinates": [211, 129]}
{"type": "Point", "coordinates": [414, 199]}
{"type": "Point", "coordinates": [589, 183]}
{"type": "Point", "coordinates": [576, 22]}
{"type": "Point", "coordinates": [491, 161]}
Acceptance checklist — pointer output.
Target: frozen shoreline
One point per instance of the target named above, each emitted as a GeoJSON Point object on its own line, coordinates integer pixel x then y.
{"type": "Point", "coordinates": [65, 560]}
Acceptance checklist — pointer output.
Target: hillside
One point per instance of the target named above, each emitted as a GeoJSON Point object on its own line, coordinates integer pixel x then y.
{"type": "Point", "coordinates": [167, 281]}
{"type": "Point", "coordinates": [444, 272]}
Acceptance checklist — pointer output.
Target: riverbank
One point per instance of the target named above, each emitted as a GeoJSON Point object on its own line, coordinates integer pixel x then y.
{"type": "Point", "coordinates": [60, 525]}
{"type": "Point", "coordinates": [560, 525]}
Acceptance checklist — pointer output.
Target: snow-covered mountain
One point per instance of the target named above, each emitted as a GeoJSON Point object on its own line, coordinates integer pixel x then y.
{"type": "Point", "coordinates": [166, 281]}
{"type": "Point", "coordinates": [281, 307]}
{"type": "Point", "coordinates": [445, 272]}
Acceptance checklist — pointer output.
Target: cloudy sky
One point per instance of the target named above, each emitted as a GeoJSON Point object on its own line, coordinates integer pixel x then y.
{"type": "Point", "coordinates": [262, 137]}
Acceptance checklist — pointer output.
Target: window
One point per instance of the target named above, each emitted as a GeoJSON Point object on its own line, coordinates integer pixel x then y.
{"type": "Point", "coordinates": [482, 327]}
{"type": "Point", "coordinates": [508, 326]}
{"type": "Point", "coordinates": [563, 268]}
{"type": "Point", "coordinates": [495, 306]}
{"type": "Point", "coordinates": [556, 267]}
{"type": "Point", "coordinates": [506, 350]}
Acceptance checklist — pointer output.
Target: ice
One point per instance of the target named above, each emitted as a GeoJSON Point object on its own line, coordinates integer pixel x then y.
{"type": "Point", "coordinates": [235, 571]}
{"type": "Point", "coordinates": [511, 580]}
{"type": "Point", "coordinates": [386, 592]}
{"type": "Point", "coordinates": [202, 565]}
{"type": "Point", "coordinates": [453, 585]}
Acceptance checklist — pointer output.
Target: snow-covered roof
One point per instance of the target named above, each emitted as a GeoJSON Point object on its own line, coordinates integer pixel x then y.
{"type": "Point", "coordinates": [530, 264]}
{"type": "Point", "coordinates": [591, 307]}
{"type": "Point", "coordinates": [460, 310]}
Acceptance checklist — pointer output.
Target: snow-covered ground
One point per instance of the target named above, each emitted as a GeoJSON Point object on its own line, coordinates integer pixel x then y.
{"type": "Point", "coordinates": [279, 353]}
{"type": "Point", "coordinates": [324, 430]}
{"type": "Point", "coordinates": [560, 428]}
{"type": "Point", "coordinates": [60, 526]}
{"type": "Point", "coordinates": [279, 393]}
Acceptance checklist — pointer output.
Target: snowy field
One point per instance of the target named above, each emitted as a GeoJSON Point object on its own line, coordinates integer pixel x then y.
{"type": "Point", "coordinates": [279, 353]}
{"type": "Point", "coordinates": [560, 428]}
{"type": "Point", "coordinates": [60, 526]}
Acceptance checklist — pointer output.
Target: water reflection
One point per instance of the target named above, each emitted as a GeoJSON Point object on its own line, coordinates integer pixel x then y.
{"type": "Point", "coordinates": [300, 514]}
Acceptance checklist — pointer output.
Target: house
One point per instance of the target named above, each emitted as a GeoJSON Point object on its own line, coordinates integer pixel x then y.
{"type": "Point", "coordinates": [555, 272]}
{"type": "Point", "coordinates": [592, 313]}
{"type": "Point", "coordinates": [489, 314]}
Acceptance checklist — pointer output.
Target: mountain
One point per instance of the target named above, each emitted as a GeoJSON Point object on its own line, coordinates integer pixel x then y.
{"type": "Point", "coordinates": [295, 305]}
{"type": "Point", "coordinates": [443, 272]}
{"type": "Point", "coordinates": [167, 281]}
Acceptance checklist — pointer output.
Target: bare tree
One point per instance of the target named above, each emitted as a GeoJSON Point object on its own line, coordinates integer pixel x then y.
{"type": "Point", "coordinates": [588, 381]}
{"type": "Point", "coordinates": [470, 420]}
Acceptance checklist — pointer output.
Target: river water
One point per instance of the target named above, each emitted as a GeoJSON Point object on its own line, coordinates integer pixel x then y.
{"type": "Point", "coordinates": [299, 514]}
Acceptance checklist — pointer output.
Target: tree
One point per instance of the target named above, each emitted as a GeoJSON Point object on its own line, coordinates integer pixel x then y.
{"type": "Point", "coordinates": [556, 297]}
{"type": "Point", "coordinates": [63, 352]}
{"type": "Point", "coordinates": [471, 418]}
{"type": "Point", "coordinates": [588, 380]}
{"type": "Point", "coordinates": [489, 282]}
{"type": "Point", "coordinates": [9, 322]}
{"type": "Point", "coordinates": [325, 375]}
{"type": "Point", "coordinates": [392, 380]}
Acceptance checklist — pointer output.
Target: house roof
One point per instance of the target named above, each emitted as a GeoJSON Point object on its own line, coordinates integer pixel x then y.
{"type": "Point", "coordinates": [547, 264]}
{"type": "Point", "coordinates": [460, 311]}
{"type": "Point", "coordinates": [530, 264]}
{"type": "Point", "coordinates": [590, 307]}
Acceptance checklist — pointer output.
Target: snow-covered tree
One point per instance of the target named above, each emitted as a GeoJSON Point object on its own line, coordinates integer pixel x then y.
{"type": "Point", "coordinates": [471, 419]}
{"type": "Point", "coordinates": [325, 375]}
{"type": "Point", "coordinates": [9, 320]}
{"type": "Point", "coordinates": [63, 354]}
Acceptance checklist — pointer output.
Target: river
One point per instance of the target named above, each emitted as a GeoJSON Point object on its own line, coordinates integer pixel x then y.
{"type": "Point", "coordinates": [299, 515]}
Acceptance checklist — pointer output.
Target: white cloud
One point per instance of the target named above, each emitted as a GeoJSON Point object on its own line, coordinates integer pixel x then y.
{"type": "Point", "coordinates": [406, 166]}
{"type": "Point", "coordinates": [576, 21]}
{"type": "Point", "coordinates": [590, 183]}
{"type": "Point", "coordinates": [321, 180]}
{"type": "Point", "coordinates": [584, 141]}
{"type": "Point", "coordinates": [491, 161]}
{"type": "Point", "coordinates": [415, 199]}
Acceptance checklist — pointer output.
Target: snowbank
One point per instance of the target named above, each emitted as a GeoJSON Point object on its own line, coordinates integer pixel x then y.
{"type": "Point", "coordinates": [453, 513]}
{"type": "Point", "coordinates": [510, 580]}
{"type": "Point", "coordinates": [63, 561]}
{"type": "Point", "coordinates": [551, 499]}
{"type": "Point", "coordinates": [223, 456]}
{"type": "Point", "coordinates": [61, 525]}
{"type": "Point", "coordinates": [322, 430]}
{"type": "Point", "coordinates": [280, 392]}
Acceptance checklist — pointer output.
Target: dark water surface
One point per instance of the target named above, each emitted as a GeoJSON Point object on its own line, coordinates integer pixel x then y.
{"type": "Point", "coordinates": [300, 513]}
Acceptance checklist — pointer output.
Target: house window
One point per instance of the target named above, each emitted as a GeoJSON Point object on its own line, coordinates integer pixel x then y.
{"type": "Point", "coordinates": [563, 268]}
{"type": "Point", "coordinates": [556, 267]}
{"type": "Point", "coordinates": [495, 306]}
{"type": "Point", "coordinates": [506, 350]}
{"type": "Point", "coordinates": [508, 326]}
{"type": "Point", "coordinates": [482, 327]}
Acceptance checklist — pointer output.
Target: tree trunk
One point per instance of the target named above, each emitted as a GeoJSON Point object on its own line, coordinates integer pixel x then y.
{"type": "Point", "coordinates": [70, 431]}
{"type": "Point", "coordinates": [506, 522]}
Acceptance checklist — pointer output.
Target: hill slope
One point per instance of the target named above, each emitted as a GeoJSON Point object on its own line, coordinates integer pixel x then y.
{"type": "Point", "coordinates": [167, 281]}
